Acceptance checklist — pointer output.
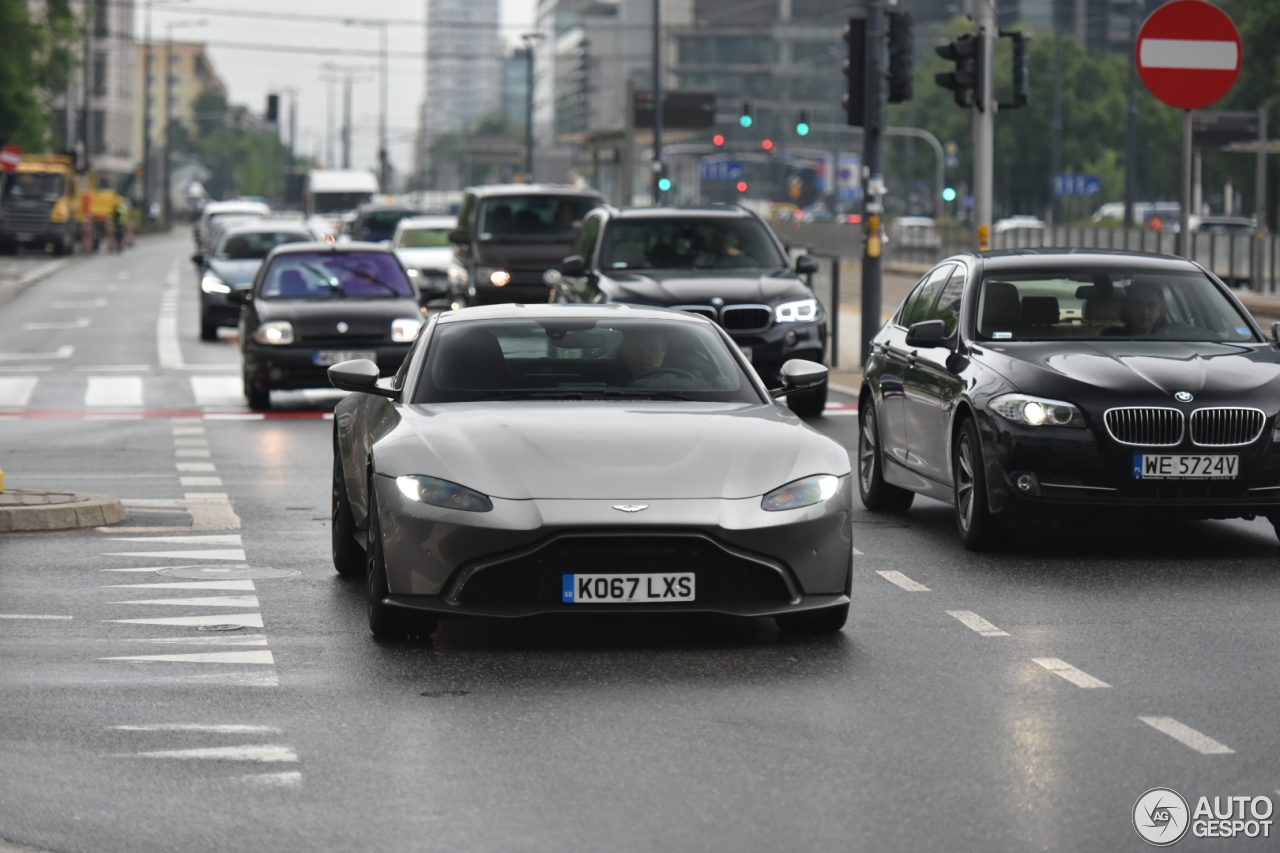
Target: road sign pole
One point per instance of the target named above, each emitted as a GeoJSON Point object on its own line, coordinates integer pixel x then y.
{"type": "Point", "coordinates": [1260, 203]}
{"type": "Point", "coordinates": [1184, 216]}
{"type": "Point", "coordinates": [873, 185]}
{"type": "Point", "coordinates": [984, 125]}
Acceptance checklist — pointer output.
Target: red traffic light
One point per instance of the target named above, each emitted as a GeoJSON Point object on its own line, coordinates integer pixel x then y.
{"type": "Point", "coordinates": [855, 219]}
{"type": "Point", "coordinates": [767, 145]}
{"type": "Point", "coordinates": [742, 186]}
{"type": "Point", "coordinates": [718, 139]}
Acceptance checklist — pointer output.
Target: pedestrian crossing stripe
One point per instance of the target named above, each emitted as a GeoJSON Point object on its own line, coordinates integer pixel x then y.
{"type": "Point", "coordinates": [240, 585]}
{"type": "Point", "coordinates": [217, 554]}
{"type": "Point", "coordinates": [254, 657]}
{"type": "Point", "coordinates": [204, 601]}
{"type": "Point", "coordinates": [242, 620]}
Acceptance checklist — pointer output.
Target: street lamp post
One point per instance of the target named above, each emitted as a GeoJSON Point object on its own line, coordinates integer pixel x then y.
{"type": "Point", "coordinates": [384, 163]}
{"type": "Point", "coordinates": [530, 40]}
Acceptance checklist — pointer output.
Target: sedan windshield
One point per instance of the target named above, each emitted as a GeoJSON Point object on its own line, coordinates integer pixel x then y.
{"type": "Point", "coordinates": [1107, 304]}
{"type": "Point", "coordinates": [689, 243]}
{"type": "Point", "coordinates": [256, 245]}
{"type": "Point", "coordinates": [335, 275]}
{"type": "Point", "coordinates": [581, 359]}
{"type": "Point", "coordinates": [532, 218]}
{"type": "Point", "coordinates": [423, 238]}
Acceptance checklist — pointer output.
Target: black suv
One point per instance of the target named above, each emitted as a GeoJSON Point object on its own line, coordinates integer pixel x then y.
{"type": "Point", "coordinates": [721, 262]}
{"type": "Point", "coordinates": [376, 221]}
{"type": "Point", "coordinates": [511, 239]}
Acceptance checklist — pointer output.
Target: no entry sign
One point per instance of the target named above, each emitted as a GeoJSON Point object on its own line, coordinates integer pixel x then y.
{"type": "Point", "coordinates": [1189, 53]}
{"type": "Point", "coordinates": [10, 157]}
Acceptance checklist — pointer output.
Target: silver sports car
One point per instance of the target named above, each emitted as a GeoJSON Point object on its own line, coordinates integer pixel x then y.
{"type": "Point", "coordinates": [533, 459]}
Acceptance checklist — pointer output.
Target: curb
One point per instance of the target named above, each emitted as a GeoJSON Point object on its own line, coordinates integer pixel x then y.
{"type": "Point", "coordinates": [10, 289]}
{"type": "Point", "coordinates": [76, 510]}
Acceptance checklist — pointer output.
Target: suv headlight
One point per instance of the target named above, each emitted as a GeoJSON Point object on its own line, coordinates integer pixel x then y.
{"type": "Point", "coordinates": [1036, 411]}
{"type": "Point", "coordinates": [212, 284]}
{"type": "Point", "coordinates": [800, 311]}
{"type": "Point", "coordinates": [405, 330]}
{"type": "Point", "coordinates": [442, 493]}
{"type": "Point", "coordinates": [804, 492]}
{"type": "Point", "coordinates": [278, 332]}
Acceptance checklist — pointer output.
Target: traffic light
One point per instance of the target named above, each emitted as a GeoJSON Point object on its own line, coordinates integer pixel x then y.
{"type": "Point", "coordinates": [273, 109]}
{"type": "Point", "coordinates": [767, 144]}
{"type": "Point", "coordinates": [966, 53]}
{"type": "Point", "coordinates": [902, 60]}
{"type": "Point", "coordinates": [664, 183]}
{"type": "Point", "coordinates": [1021, 69]}
{"type": "Point", "coordinates": [855, 69]}
{"type": "Point", "coordinates": [802, 125]}
{"type": "Point", "coordinates": [949, 194]}
{"type": "Point", "coordinates": [718, 139]}
{"type": "Point", "coordinates": [745, 120]}
{"type": "Point", "coordinates": [742, 186]}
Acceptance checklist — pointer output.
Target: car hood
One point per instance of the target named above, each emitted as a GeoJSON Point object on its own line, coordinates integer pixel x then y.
{"type": "Point", "coordinates": [537, 256]}
{"type": "Point", "coordinates": [686, 287]}
{"type": "Point", "coordinates": [1139, 370]}
{"type": "Point", "coordinates": [364, 316]}
{"type": "Point", "coordinates": [609, 451]}
{"type": "Point", "coordinates": [236, 273]}
{"type": "Point", "coordinates": [430, 259]}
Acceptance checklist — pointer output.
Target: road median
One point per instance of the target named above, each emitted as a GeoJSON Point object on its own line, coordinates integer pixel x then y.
{"type": "Point", "coordinates": [39, 509]}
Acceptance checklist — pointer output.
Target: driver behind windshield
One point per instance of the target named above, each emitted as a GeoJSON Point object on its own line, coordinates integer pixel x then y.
{"type": "Point", "coordinates": [1143, 312]}
{"type": "Point", "coordinates": [643, 350]}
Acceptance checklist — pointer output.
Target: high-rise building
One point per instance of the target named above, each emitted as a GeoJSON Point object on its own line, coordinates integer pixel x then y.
{"type": "Point", "coordinates": [191, 74]}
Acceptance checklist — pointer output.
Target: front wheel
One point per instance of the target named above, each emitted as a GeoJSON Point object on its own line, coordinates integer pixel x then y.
{"type": "Point", "coordinates": [974, 522]}
{"type": "Point", "coordinates": [348, 556]}
{"type": "Point", "coordinates": [877, 494]}
{"type": "Point", "coordinates": [259, 397]}
{"type": "Point", "coordinates": [828, 620]}
{"type": "Point", "coordinates": [208, 326]}
{"type": "Point", "coordinates": [385, 621]}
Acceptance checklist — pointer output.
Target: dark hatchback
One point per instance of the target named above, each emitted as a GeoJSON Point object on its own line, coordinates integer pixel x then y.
{"type": "Point", "coordinates": [314, 305]}
{"type": "Point", "coordinates": [722, 263]}
{"type": "Point", "coordinates": [377, 221]}
{"type": "Point", "coordinates": [234, 263]}
{"type": "Point", "coordinates": [1060, 382]}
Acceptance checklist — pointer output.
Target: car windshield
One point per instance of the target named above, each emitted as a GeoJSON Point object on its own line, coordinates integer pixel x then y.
{"type": "Point", "coordinates": [383, 221]}
{"type": "Point", "coordinates": [576, 359]}
{"type": "Point", "coordinates": [32, 187]}
{"type": "Point", "coordinates": [1107, 304]}
{"type": "Point", "coordinates": [335, 275]}
{"type": "Point", "coordinates": [256, 245]}
{"type": "Point", "coordinates": [532, 218]}
{"type": "Point", "coordinates": [337, 202]}
{"type": "Point", "coordinates": [423, 238]}
{"type": "Point", "coordinates": [689, 243]}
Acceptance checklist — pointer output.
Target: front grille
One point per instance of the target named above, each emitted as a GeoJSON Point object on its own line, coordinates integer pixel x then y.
{"type": "Point", "coordinates": [701, 310]}
{"type": "Point", "coordinates": [1226, 426]}
{"type": "Point", "coordinates": [26, 218]}
{"type": "Point", "coordinates": [746, 318]}
{"type": "Point", "coordinates": [1147, 427]}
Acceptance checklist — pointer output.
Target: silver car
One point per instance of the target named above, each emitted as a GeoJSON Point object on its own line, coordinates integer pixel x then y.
{"type": "Point", "coordinates": [531, 459]}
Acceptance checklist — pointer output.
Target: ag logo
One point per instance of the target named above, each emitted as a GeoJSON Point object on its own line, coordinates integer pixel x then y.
{"type": "Point", "coordinates": [1161, 816]}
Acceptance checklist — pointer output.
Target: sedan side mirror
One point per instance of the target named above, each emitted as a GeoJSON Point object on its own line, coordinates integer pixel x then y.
{"type": "Point", "coordinates": [801, 375]}
{"type": "Point", "coordinates": [574, 265]}
{"type": "Point", "coordinates": [928, 333]}
{"type": "Point", "coordinates": [806, 264]}
{"type": "Point", "coordinates": [240, 297]}
{"type": "Point", "coordinates": [197, 259]}
{"type": "Point", "coordinates": [459, 235]}
{"type": "Point", "coordinates": [359, 375]}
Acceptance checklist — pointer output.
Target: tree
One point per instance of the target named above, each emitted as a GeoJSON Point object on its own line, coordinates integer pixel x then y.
{"type": "Point", "coordinates": [36, 59]}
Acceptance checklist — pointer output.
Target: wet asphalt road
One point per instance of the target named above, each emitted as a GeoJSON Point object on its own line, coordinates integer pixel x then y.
{"type": "Point", "coordinates": [1020, 700]}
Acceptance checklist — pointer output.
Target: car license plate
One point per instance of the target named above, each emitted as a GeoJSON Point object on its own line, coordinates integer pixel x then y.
{"type": "Point", "coordinates": [330, 357]}
{"type": "Point", "coordinates": [1149, 466]}
{"type": "Point", "coordinates": [25, 238]}
{"type": "Point", "coordinates": [746, 353]}
{"type": "Point", "coordinates": [628, 589]}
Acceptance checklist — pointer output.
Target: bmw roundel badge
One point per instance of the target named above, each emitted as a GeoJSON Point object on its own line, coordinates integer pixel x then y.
{"type": "Point", "coordinates": [1183, 397]}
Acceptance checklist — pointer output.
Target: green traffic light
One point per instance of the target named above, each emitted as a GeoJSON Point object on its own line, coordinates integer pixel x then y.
{"type": "Point", "coordinates": [948, 194]}
{"type": "Point", "coordinates": [802, 128]}
{"type": "Point", "coordinates": [664, 184]}
{"type": "Point", "coordinates": [746, 121]}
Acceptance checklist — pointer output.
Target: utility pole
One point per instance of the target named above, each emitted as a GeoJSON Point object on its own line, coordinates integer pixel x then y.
{"type": "Point", "coordinates": [1258, 255]}
{"type": "Point", "coordinates": [984, 123]}
{"type": "Point", "coordinates": [1055, 132]}
{"type": "Point", "coordinates": [873, 185]}
{"type": "Point", "coordinates": [657, 101]}
{"type": "Point", "coordinates": [346, 121]}
{"type": "Point", "coordinates": [328, 129]}
{"type": "Point", "coordinates": [1131, 125]}
{"type": "Point", "coordinates": [530, 42]}
{"type": "Point", "coordinates": [384, 164]}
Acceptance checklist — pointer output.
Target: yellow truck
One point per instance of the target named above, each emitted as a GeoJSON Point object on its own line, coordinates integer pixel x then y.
{"type": "Point", "coordinates": [40, 204]}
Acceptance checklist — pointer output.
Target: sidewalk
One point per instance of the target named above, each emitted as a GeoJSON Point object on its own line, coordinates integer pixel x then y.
{"type": "Point", "coordinates": [17, 274]}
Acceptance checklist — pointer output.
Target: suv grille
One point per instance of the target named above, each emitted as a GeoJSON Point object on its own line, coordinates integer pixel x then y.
{"type": "Point", "coordinates": [745, 318]}
{"type": "Point", "coordinates": [1148, 427]}
{"type": "Point", "coordinates": [1226, 426]}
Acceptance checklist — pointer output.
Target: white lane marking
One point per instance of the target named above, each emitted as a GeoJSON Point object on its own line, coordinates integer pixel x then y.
{"type": "Point", "coordinates": [78, 323]}
{"type": "Point", "coordinates": [196, 466]}
{"type": "Point", "coordinates": [168, 348]}
{"type": "Point", "coordinates": [191, 442]}
{"type": "Point", "coordinates": [115, 392]}
{"type": "Point", "coordinates": [225, 640]}
{"type": "Point", "coordinates": [113, 416]}
{"type": "Point", "coordinates": [256, 657]}
{"type": "Point", "coordinates": [1188, 53]}
{"type": "Point", "coordinates": [1187, 736]}
{"type": "Point", "coordinates": [64, 351]}
{"type": "Point", "coordinates": [186, 430]}
{"type": "Point", "coordinates": [244, 620]}
{"type": "Point", "coordinates": [265, 753]}
{"type": "Point", "coordinates": [192, 421]}
{"type": "Point", "coordinates": [212, 539]}
{"type": "Point", "coordinates": [31, 616]}
{"type": "Point", "coordinates": [191, 454]}
{"type": "Point", "coordinates": [235, 585]}
{"type": "Point", "coordinates": [200, 481]}
{"type": "Point", "coordinates": [218, 390]}
{"type": "Point", "coordinates": [16, 391]}
{"type": "Point", "coordinates": [972, 620]}
{"type": "Point", "coordinates": [219, 729]}
{"type": "Point", "coordinates": [287, 779]}
{"type": "Point", "coordinates": [858, 553]}
{"type": "Point", "coordinates": [78, 303]}
{"type": "Point", "coordinates": [903, 581]}
{"type": "Point", "coordinates": [215, 554]}
{"type": "Point", "coordinates": [203, 601]}
{"type": "Point", "coordinates": [258, 677]}
{"type": "Point", "coordinates": [1070, 673]}
{"type": "Point", "coordinates": [234, 416]}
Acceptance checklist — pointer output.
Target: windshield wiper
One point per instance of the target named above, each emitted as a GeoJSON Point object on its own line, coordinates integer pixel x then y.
{"type": "Point", "coordinates": [373, 279]}
{"type": "Point", "coordinates": [335, 291]}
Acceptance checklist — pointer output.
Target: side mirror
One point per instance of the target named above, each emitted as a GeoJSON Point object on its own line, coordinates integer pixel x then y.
{"type": "Point", "coordinates": [801, 375]}
{"type": "Point", "coordinates": [459, 235]}
{"type": "Point", "coordinates": [574, 265]}
{"type": "Point", "coordinates": [240, 297]}
{"type": "Point", "coordinates": [929, 333]}
{"type": "Point", "coordinates": [359, 375]}
{"type": "Point", "coordinates": [806, 264]}
{"type": "Point", "coordinates": [197, 259]}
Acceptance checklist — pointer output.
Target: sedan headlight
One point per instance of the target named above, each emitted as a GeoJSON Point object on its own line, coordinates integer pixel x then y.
{"type": "Point", "coordinates": [442, 493]}
{"type": "Point", "coordinates": [212, 284]}
{"type": "Point", "coordinates": [277, 332]}
{"type": "Point", "coordinates": [499, 278]}
{"type": "Point", "coordinates": [405, 330]}
{"type": "Point", "coordinates": [457, 274]}
{"type": "Point", "coordinates": [1036, 411]}
{"type": "Point", "coordinates": [804, 492]}
{"type": "Point", "coordinates": [802, 310]}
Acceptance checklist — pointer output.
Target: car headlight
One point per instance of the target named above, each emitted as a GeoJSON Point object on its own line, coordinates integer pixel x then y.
{"type": "Point", "coordinates": [212, 284]}
{"type": "Point", "coordinates": [442, 493]}
{"type": "Point", "coordinates": [804, 492]}
{"type": "Point", "coordinates": [277, 332]}
{"type": "Point", "coordinates": [1036, 411]}
{"type": "Point", "coordinates": [457, 274]}
{"type": "Point", "coordinates": [802, 310]}
{"type": "Point", "coordinates": [499, 278]}
{"type": "Point", "coordinates": [413, 273]}
{"type": "Point", "coordinates": [405, 330]}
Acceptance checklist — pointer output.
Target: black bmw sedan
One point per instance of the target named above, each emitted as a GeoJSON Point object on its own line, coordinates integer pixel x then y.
{"type": "Point", "coordinates": [1035, 382]}
{"type": "Point", "coordinates": [314, 305]}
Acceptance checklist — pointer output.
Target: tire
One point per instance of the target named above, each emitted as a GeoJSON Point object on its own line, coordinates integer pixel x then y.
{"type": "Point", "coordinates": [828, 620]}
{"type": "Point", "coordinates": [877, 495]}
{"type": "Point", "coordinates": [208, 327]}
{"type": "Point", "coordinates": [259, 398]}
{"type": "Point", "coordinates": [1275, 524]}
{"type": "Point", "coordinates": [808, 404]}
{"type": "Point", "coordinates": [974, 522]}
{"type": "Point", "coordinates": [348, 557]}
{"type": "Point", "coordinates": [386, 622]}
